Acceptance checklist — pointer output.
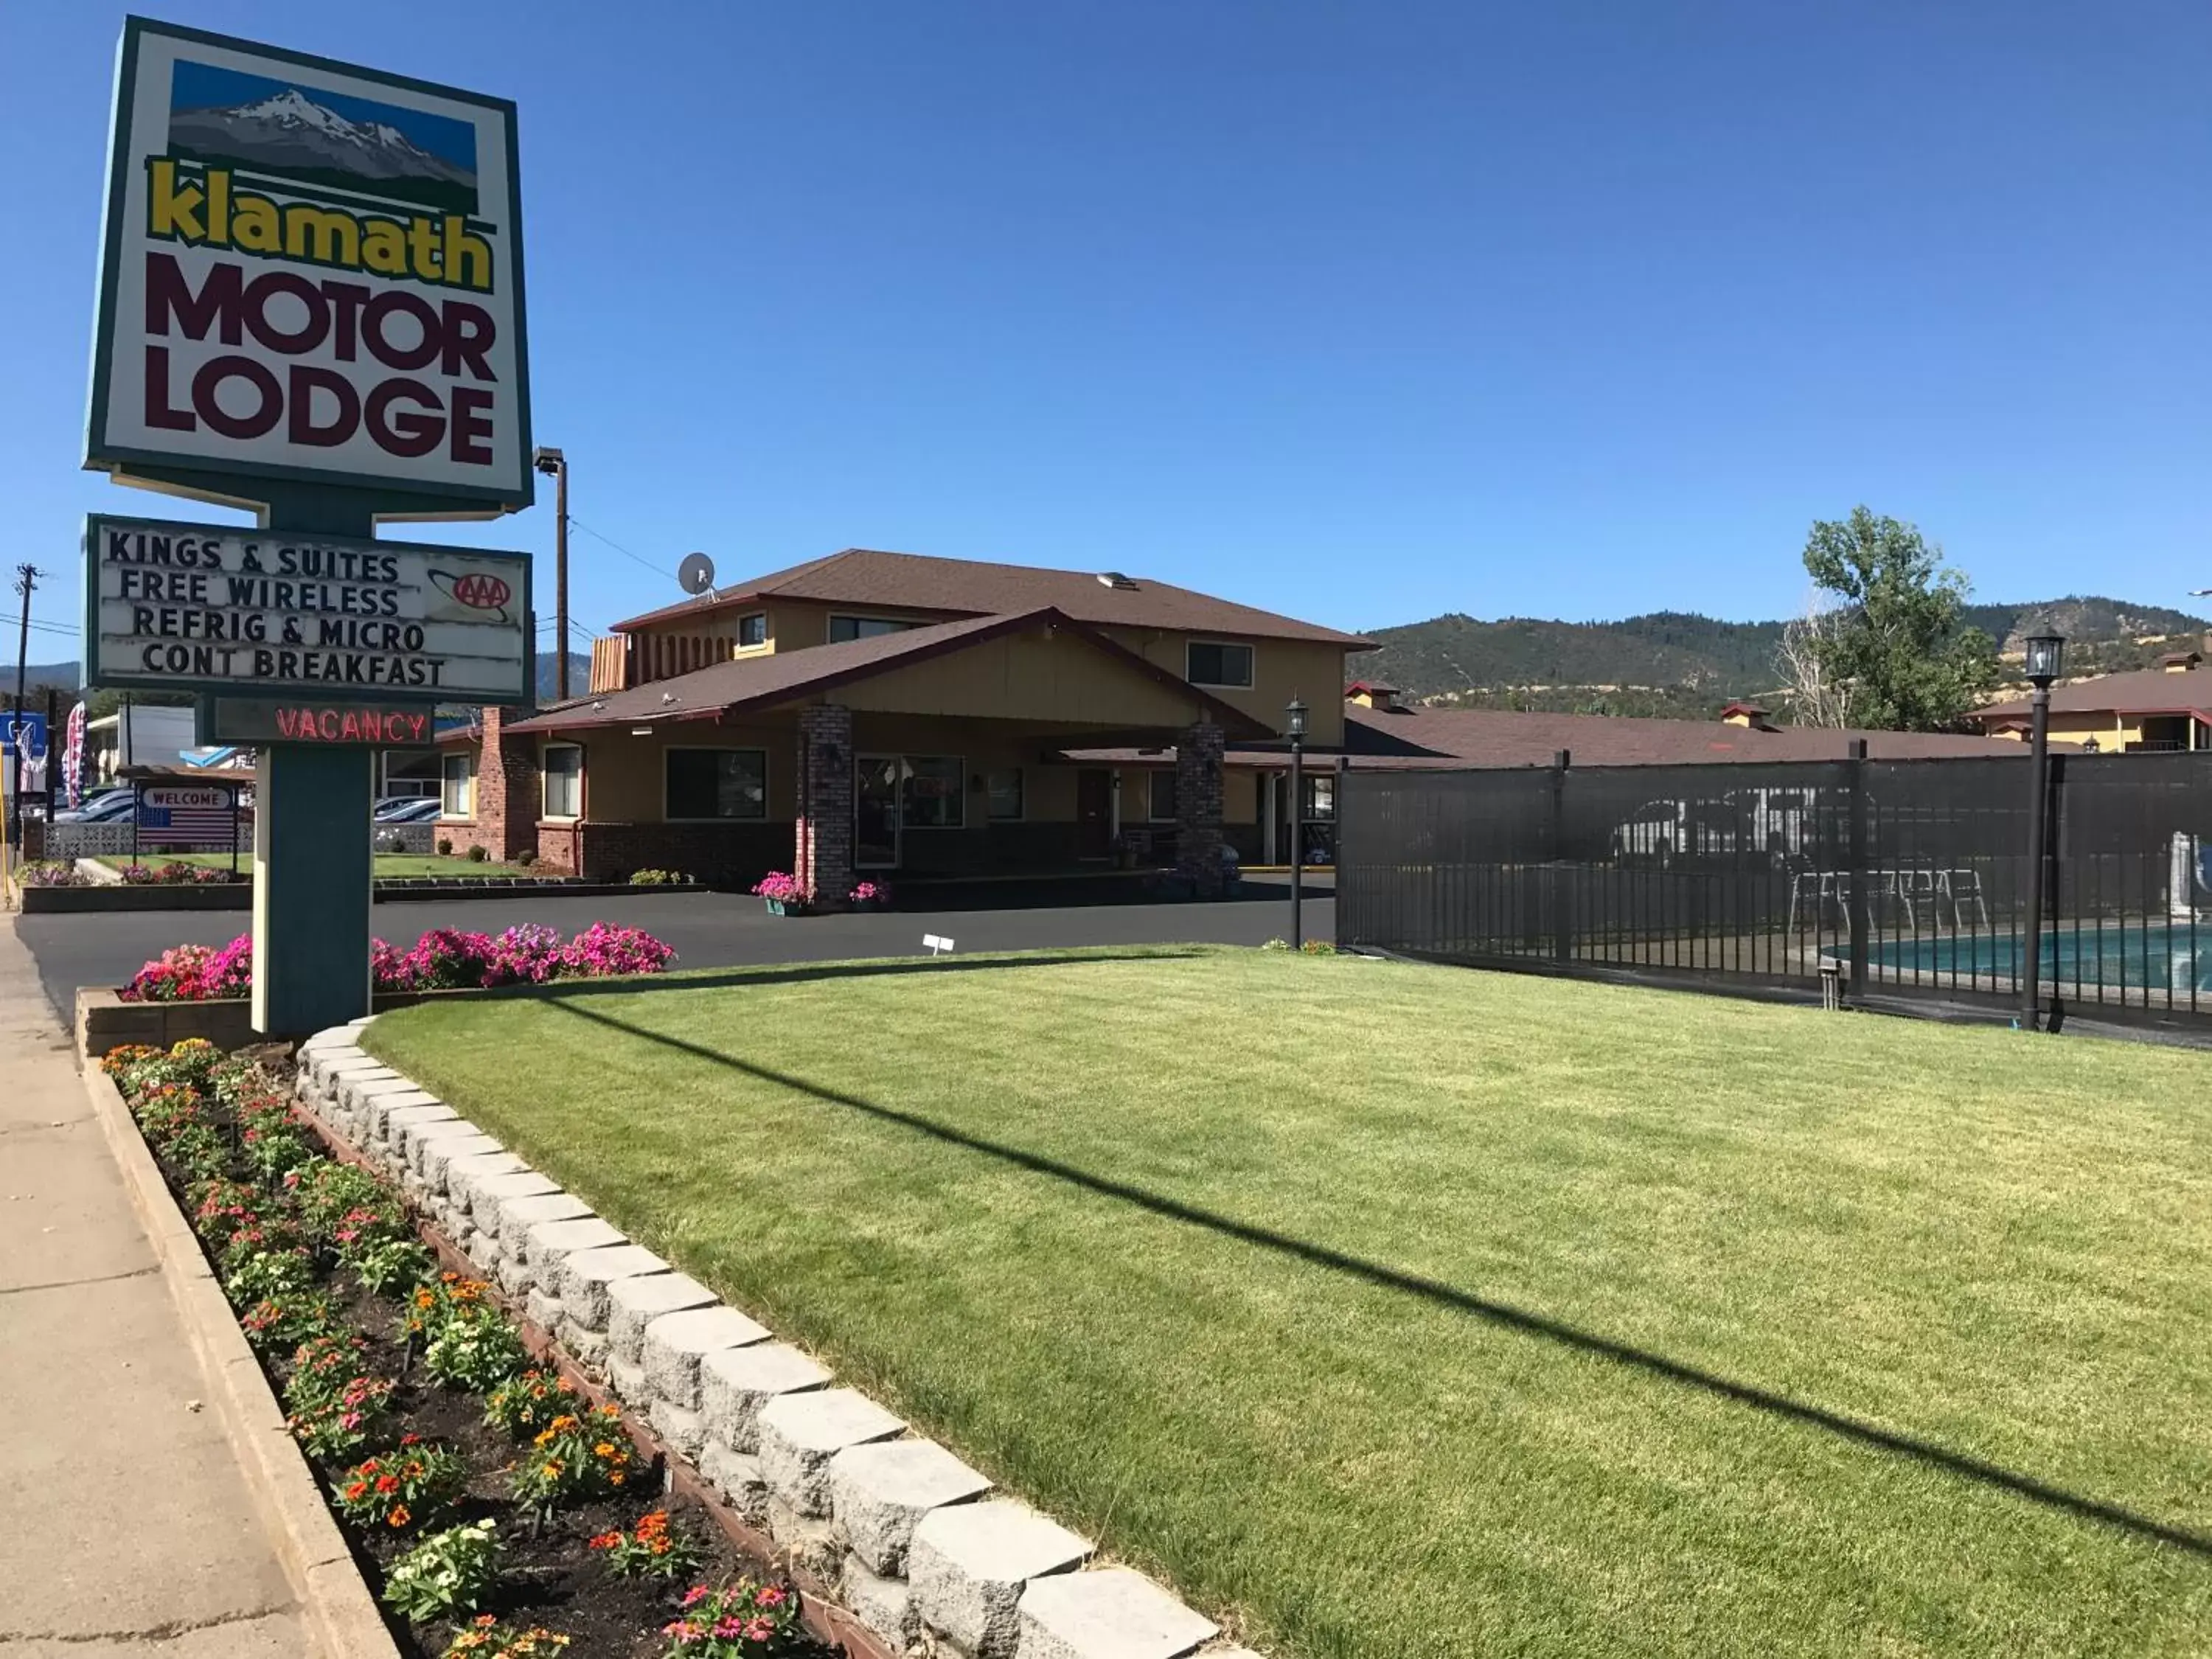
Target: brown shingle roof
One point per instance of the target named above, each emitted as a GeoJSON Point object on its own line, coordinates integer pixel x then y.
{"type": "Point", "coordinates": [862, 577]}
{"type": "Point", "coordinates": [2141, 691]}
{"type": "Point", "coordinates": [783, 677]}
{"type": "Point", "coordinates": [1493, 736]}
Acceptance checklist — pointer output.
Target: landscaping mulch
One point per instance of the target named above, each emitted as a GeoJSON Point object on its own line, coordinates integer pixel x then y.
{"type": "Point", "coordinates": [549, 1575]}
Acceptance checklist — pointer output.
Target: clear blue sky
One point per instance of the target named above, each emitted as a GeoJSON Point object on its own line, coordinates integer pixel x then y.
{"type": "Point", "coordinates": [1362, 311]}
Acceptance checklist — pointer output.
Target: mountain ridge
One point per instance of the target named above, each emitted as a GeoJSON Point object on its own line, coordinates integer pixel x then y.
{"type": "Point", "coordinates": [1687, 665]}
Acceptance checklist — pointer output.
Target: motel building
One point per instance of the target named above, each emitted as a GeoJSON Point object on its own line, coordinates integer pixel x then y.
{"type": "Point", "coordinates": [870, 716]}
{"type": "Point", "coordinates": [2166, 709]}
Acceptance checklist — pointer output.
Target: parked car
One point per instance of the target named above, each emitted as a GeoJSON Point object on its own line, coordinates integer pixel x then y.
{"type": "Point", "coordinates": [109, 806]}
{"type": "Point", "coordinates": [407, 809]}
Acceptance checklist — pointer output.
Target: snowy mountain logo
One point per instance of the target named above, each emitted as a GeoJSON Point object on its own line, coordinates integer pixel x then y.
{"type": "Point", "coordinates": [226, 117]}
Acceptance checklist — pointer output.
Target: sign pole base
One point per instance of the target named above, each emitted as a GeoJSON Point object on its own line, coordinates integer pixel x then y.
{"type": "Point", "coordinates": [311, 868]}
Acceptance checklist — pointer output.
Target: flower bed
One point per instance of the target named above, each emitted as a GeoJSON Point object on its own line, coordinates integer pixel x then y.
{"type": "Point", "coordinates": [486, 1500]}
{"type": "Point", "coordinates": [443, 959]}
{"type": "Point", "coordinates": [178, 873]}
{"type": "Point", "coordinates": [51, 873]}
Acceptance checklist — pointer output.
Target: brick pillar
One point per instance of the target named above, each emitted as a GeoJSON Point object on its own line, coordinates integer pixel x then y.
{"type": "Point", "coordinates": [1197, 808]}
{"type": "Point", "coordinates": [506, 792]}
{"type": "Point", "coordinates": [823, 855]}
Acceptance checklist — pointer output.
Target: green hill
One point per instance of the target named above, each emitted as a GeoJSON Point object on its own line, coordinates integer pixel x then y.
{"type": "Point", "coordinates": [1677, 662]}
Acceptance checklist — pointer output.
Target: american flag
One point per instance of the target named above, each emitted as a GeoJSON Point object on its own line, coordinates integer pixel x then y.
{"type": "Point", "coordinates": [186, 818]}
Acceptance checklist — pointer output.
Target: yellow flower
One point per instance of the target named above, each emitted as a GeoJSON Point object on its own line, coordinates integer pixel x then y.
{"type": "Point", "coordinates": [603, 1449]}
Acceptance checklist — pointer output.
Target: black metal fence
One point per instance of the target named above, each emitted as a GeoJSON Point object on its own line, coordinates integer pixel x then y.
{"type": "Point", "coordinates": [1908, 877]}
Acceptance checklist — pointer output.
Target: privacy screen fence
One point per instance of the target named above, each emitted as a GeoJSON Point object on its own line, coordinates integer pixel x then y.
{"type": "Point", "coordinates": [1910, 877]}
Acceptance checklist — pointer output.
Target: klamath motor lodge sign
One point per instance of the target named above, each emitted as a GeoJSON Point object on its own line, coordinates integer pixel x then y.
{"type": "Point", "coordinates": [310, 271]}
{"type": "Point", "coordinates": [197, 606]}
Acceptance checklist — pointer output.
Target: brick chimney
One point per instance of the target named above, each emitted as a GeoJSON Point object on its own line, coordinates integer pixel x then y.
{"type": "Point", "coordinates": [505, 790]}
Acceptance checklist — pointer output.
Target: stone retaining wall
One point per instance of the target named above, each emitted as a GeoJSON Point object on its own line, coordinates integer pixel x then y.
{"type": "Point", "coordinates": [925, 1554]}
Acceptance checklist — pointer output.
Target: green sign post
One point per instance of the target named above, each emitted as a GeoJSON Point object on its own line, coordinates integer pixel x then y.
{"type": "Point", "coordinates": [310, 307]}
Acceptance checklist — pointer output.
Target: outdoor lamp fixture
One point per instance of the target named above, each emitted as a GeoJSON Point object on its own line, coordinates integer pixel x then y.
{"type": "Point", "coordinates": [2091, 746]}
{"type": "Point", "coordinates": [2045, 652]}
{"type": "Point", "coordinates": [1296, 729]}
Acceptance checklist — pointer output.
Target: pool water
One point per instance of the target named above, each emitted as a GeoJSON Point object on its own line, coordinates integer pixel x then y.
{"type": "Point", "coordinates": [2160, 956]}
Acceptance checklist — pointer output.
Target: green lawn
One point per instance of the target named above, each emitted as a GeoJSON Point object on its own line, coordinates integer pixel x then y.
{"type": "Point", "coordinates": [387, 864]}
{"type": "Point", "coordinates": [1309, 1284]}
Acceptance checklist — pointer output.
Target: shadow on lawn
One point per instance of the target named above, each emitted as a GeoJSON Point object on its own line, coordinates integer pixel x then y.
{"type": "Point", "coordinates": [797, 973]}
{"type": "Point", "coordinates": [1496, 1313]}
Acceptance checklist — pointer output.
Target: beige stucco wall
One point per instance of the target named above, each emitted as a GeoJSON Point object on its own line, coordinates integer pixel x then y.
{"type": "Point", "coordinates": [1281, 670]}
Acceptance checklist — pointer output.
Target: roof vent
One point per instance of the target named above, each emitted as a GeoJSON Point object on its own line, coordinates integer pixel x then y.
{"type": "Point", "coordinates": [2179, 662]}
{"type": "Point", "coordinates": [1747, 714]}
{"type": "Point", "coordinates": [1116, 579]}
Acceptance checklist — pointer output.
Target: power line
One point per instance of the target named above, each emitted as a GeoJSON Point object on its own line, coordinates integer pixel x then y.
{"type": "Point", "coordinates": [659, 570]}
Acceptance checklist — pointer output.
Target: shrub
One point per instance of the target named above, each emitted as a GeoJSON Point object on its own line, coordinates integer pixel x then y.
{"type": "Point", "coordinates": [412, 1484]}
{"type": "Point", "coordinates": [445, 847]}
{"type": "Point", "coordinates": [356, 1416]}
{"type": "Point", "coordinates": [744, 1620]}
{"type": "Point", "coordinates": [448, 1572]}
{"type": "Point", "coordinates": [195, 972]}
{"type": "Point", "coordinates": [264, 1275]}
{"type": "Point", "coordinates": [274, 1146]}
{"type": "Point", "coordinates": [652, 1549]}
{"type": "Point", "coordinates": [1317, 947]}
{"type": "Point", "coordinates": [525, 859]}
{"type": "Point", "coordinates": [575, 1459]}
{"type": "Point", "coordinates": [526, 1405]}
{"type": "Point", "coordinates": [478, 854]}
{"type": "Point", "coordinates": [282, 1322]}
{"type": "Point", "coordinates": [199, 1150]}
{"type": "Point", "coordinates": [1276, 945]}
{"type": "Point", "coordinates": [603, 949]}
{"type": "Point", "coordinates": [487, 1638]}
{"type": "Point", "coordinates": [434, 1307]}
{"type": "Point", "coordinates": [253, 1233]}
{"type": "Point", "coordinates": [443, 959]}
{"type": "Point", "coordinates": [389, 1265]}
{"type": "Point", "coordinates": [658, 879]}
{"type": "Point", "coordinates": [333, 1406]}
{"type": "Point", "coordinates": [51, 873]}
{"type": "Point", "coordinates": [476, 1354]}
{"type": "Point", "coordinates": [327, 1192]}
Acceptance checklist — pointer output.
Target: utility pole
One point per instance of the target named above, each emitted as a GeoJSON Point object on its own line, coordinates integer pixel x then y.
{"type": "Point", "coordinates": [554, 462]}
{"type": "Point", "coordinates": [26, 577]}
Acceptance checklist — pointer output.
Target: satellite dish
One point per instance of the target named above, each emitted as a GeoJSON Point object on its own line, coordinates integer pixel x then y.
{"type": "Point", "coordinates": [695, 573]}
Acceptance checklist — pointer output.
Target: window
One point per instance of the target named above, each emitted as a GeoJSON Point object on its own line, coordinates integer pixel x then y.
{"type": "Point", "coordinates": [457, 792]}
{"type": "Point", "coordinates": [1213, 663]}
{"type": "Point", "coordinates": [932, 798]}
{"type": "Point", "coordinates": [1162, 801]}
{"type": "Point", "coordinates": [753, 629]}
{"type": "Point", "coordinates": [1004, 792]}
{"type": "Point", "coordinates": [564, 781]}
{"type": "Point", "coordinates": [717, 783]}
{"type": "Point", "coordinates": [1321, 795]}
{"type": "Point", "coordinates": [864, 627]}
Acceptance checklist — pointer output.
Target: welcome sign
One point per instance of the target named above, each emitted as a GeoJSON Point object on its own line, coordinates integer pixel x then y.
{"type": "Point", "coordinates": [195, 607]}
{"type": "Point", "coordinates": [310, 270]}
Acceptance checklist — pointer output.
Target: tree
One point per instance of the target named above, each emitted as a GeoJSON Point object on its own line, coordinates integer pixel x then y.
{"type": "Point", "coordinates": [1813, 698]}
{"type": "Point", "coordinates": [1893, 647]}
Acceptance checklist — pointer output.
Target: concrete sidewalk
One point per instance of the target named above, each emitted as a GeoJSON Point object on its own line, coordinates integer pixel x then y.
{"type": "Point", "coordinates": [126, 1524]}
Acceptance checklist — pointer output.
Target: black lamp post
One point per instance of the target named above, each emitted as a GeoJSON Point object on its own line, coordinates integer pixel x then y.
{"type": "Point", "coordinates": [1296, 729]}
{"type": "Point", "coordinates": [2045, 653]}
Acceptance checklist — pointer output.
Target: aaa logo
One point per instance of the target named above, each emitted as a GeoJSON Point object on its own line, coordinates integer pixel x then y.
{"type": "Point", "coordinates": [478, 590]}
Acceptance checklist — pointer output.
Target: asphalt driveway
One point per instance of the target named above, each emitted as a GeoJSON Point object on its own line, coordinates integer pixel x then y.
{"type": "Point", "coordinates": [708, 930]}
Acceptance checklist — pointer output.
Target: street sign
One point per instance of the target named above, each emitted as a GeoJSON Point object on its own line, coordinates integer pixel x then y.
{"type": "Point", "coordinates": [310, 270]}
{"type": "Point", "coordinates": [188, 607]}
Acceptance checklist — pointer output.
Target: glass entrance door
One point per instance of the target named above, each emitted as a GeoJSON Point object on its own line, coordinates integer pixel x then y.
{"type": "Point", "coordinates": [876, 811]}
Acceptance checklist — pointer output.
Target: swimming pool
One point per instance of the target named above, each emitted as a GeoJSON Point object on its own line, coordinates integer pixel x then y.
{"type": "Point", "coordinates": [2157, 955]}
